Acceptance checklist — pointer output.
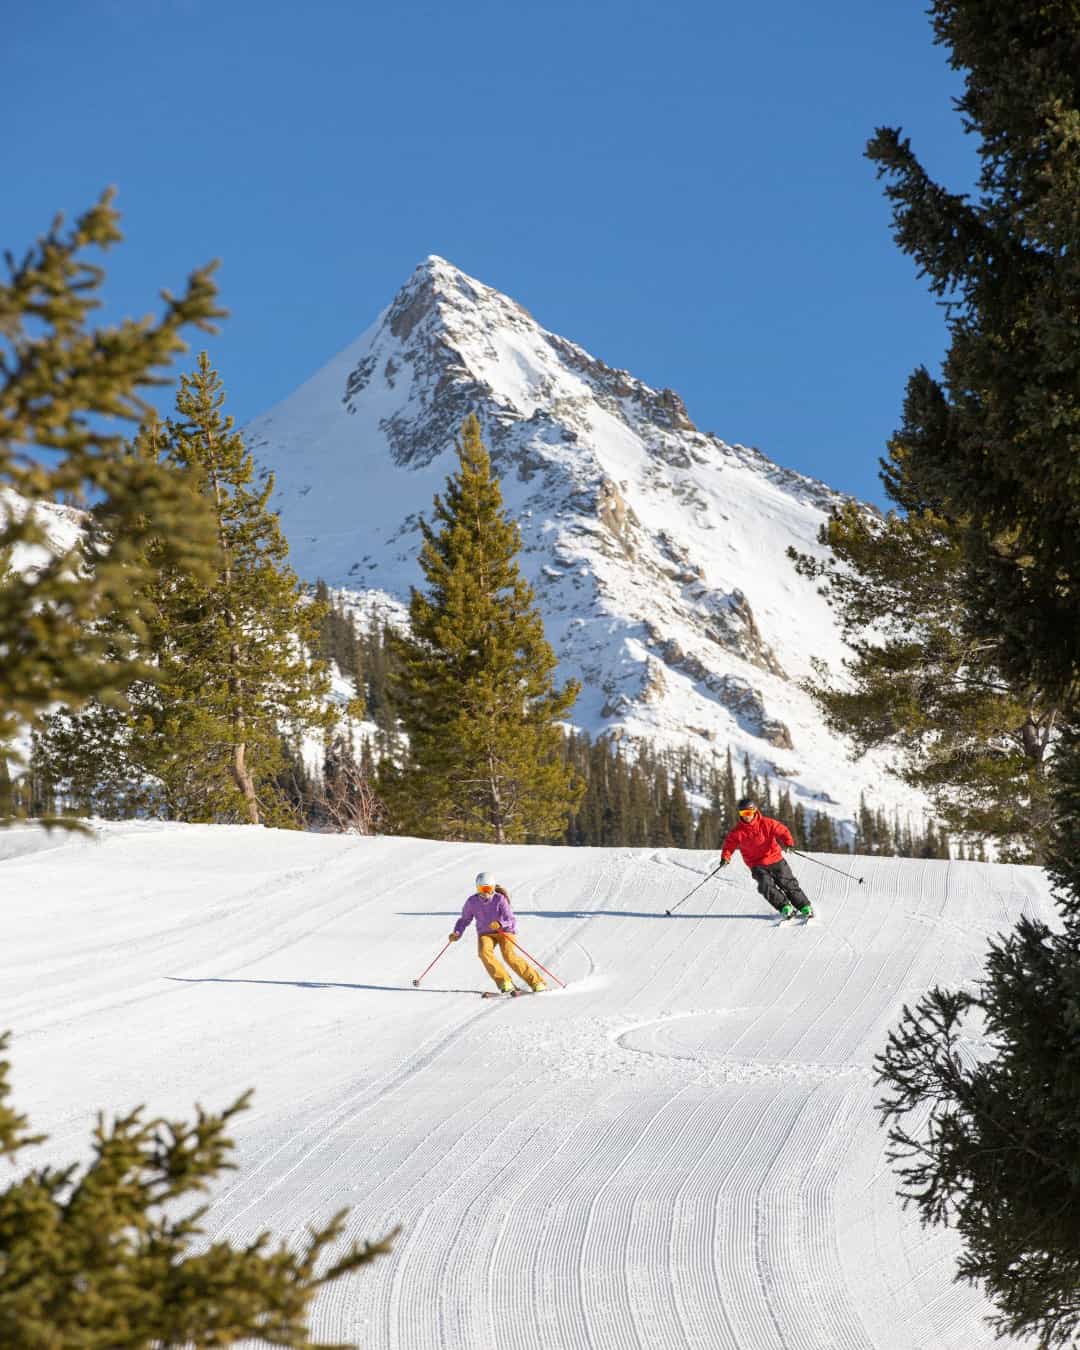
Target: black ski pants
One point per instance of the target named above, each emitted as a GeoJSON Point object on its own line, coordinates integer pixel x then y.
{"type": "Point", "coordinates": [776, 882]}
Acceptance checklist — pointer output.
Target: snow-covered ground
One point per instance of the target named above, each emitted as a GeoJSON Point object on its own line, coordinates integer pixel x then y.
{"type": "Point", "coordinates": [679, 1150]}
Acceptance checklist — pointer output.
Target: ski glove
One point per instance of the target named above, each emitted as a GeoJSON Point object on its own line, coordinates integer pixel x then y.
{"type": "Point", "coordinates": [495, 926]}
{"type": "Point", "coordinates": [725, 862]}
{"type": "Point", "coordinates": [454, 937]}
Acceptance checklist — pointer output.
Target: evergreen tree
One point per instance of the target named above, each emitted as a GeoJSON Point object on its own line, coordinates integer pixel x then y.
{"type": "Point", "coordinates": [87, 757]}
{"type": "Point", "coordinates": [639, 823]}
{"type": "Point", "coordinates": [730, 798]}
{"type": "Point", "coordinates": [934, 845]}
{"type": "Point", "coordinates": [324, 649]}
{"type": "Point", "coordinates": [235, 667]}
{"type": "Point", "coordinates": [993, 447]}
{"type": "Point", "coordinates": [619, 815]}
{"type": "Point", "coordinates": [661, 809]}
{"type": "Point", "coordinates": [227, 654]}
{"type": "Point", "coordinates": [680, 819]}
{"type": "Point", "coordinates": [63, 388]}
{"type": "Point", "coordinates": [922, 680]}
{"type": "Point", "coordinates": [798, 826]}
{"type": "Point", "coordinates": [107, 1256]}
{"type": "Point", "coordinates": [475, 689]}
{"type": "Point", "coordinates": [785, 811]}
{"type": "Point", "coordinates": [864, 827]}
{"type": "Point", "coordinates": [338, 641]}
{"type": "Point", "coordinates": [822, 834]}
{"type": "Point", "coordinates": [379, 664]}
{"type": "Point", "coordinates": [750, 787]}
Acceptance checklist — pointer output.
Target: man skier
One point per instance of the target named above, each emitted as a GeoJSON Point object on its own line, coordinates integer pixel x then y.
{"type": "Point", "coordinates": [758, 838]}
{"type": "Point", "coordinates": [496, 924]}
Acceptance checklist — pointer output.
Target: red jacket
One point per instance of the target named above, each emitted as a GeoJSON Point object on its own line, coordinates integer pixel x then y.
{"type": "Point", "coordinates": [758, 840]}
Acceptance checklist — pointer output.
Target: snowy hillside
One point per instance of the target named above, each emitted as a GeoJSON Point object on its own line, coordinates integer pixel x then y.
{"type": "Point", "coordinates": [62, 526]}
{"type": "Point", "coordinates": [657, 551]}
{"type": "Point", "coordinates": [677, 1151]}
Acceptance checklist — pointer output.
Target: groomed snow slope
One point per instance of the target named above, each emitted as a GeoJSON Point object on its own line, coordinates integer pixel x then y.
{"type": "Point", "coordinates": [677, 1151]}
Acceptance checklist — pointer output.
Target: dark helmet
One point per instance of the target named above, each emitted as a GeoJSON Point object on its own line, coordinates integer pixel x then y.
{"type": "Point", "coordinates": [747, 807]}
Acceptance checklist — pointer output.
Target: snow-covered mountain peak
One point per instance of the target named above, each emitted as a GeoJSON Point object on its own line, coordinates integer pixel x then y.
{"type": "Point", "coordinates": [449, 285]}
{"type": "Point", "coordinates": [657, 551]}
{"type": "Point", "coordinates": [468, 347]}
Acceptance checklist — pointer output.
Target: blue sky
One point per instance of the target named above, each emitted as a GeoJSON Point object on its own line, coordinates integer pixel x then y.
{"type": "Point", "coordinates": [679, 187]}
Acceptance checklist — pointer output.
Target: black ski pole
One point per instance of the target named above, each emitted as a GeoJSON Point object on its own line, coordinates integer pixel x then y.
{"type": "Point", "coordinates": [671, 911]}
{"type": "Point", "coordinates": [827, 866]}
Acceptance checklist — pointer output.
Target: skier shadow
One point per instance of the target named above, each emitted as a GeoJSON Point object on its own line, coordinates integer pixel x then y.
{"type": "Point", "coordinates": [587, 914]}
{"type": "Point", "coordinates": [318, 984]}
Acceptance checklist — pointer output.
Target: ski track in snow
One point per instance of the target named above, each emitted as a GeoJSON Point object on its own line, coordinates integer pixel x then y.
{"type": "Point", "coordinates": [678, 1151]}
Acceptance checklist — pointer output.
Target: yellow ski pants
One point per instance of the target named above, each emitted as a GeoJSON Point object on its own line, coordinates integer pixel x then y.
{"type": "Point", "coordinates": [490, 946]}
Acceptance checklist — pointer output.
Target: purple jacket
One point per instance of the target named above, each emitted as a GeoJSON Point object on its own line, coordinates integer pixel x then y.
{"type": "Point", "coordinates": [487, 909]}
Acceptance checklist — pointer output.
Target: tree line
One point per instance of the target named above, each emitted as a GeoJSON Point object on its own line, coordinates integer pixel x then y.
{"type": "Point", "coordinates": [640, 797]}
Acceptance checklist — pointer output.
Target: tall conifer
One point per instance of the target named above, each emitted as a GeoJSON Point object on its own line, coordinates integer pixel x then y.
{"type": "Point", "coordinates": [226, 655]}
{"type": "Point", "coordinates": [922, 681]}
{"type": "Point", "coordinates": [680, 819]}
{"type": "Point", "coordinates": [66, 389]}
{"type": "Point", "coordinates": [234, 669]}
{"type": "Point", "coordinates": [991, 1145]}
{"type": "Point", "coordinates": [475, 687]}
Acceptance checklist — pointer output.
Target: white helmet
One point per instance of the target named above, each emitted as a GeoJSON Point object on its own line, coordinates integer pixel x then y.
{"type": "Point", "coordinates": [485, 879]}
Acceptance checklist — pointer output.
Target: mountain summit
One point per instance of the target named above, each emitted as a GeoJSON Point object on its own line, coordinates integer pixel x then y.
{"type": "Point", "coordinates": [657, 550]}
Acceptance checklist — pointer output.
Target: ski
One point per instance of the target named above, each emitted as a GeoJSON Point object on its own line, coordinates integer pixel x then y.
{"type": "Point", "coordinates": [506, 993]}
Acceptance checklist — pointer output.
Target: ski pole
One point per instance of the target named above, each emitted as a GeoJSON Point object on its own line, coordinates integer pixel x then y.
{"type": "Point", "coordinates": [533, 959]}
{"type": "Point", "coordinates": [419, 977]}
{"type": "Point", "coordinates": [671, 911]}
{"type": "Point", "coordinates": [827, 866]}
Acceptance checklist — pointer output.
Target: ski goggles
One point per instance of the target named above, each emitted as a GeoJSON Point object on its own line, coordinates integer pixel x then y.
{"type": "Point", "coordinates": [749, 813]}
{"type": "Point", "coordinates": [486, 890]}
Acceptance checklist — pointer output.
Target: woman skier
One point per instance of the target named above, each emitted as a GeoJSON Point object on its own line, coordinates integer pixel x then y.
{"type": "Point", "coordinates": [758, 838]}
{"type": "Point", "coordinates": [495, 927]}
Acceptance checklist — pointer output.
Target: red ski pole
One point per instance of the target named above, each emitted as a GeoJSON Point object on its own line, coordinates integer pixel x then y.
{"type": "Point", "coordinates": [533, 959]}
{"type": "Point", "coordinates": [419, 977]}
